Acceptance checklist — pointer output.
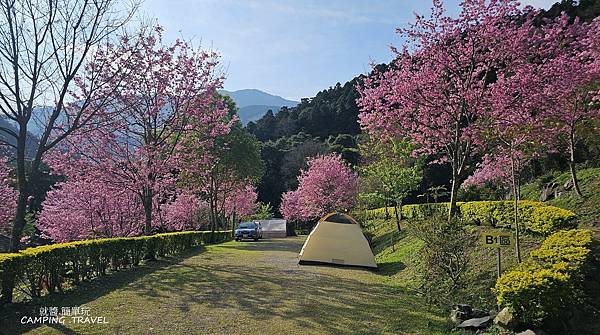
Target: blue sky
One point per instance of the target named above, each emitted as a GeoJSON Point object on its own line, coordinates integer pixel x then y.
{"type": "Point", "coordinates": [292, 48]}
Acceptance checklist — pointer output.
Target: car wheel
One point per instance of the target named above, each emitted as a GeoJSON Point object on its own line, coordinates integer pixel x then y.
{"type": "Point", "coordinates": [255, 239]}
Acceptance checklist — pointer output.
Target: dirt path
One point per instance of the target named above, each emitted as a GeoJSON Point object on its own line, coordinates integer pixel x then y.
{"type": "Point", "coordinates": [243, 288]}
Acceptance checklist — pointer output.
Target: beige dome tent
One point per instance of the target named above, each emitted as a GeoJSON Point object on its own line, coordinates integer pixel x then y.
{"type": "Point", "coordinates": [337, 239]}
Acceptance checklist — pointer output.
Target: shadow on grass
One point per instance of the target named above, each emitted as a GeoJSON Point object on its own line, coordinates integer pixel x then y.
{"type": "Point", "coordinates": [217, 286]}
{"type": "Point", "coordinates": [314, 301]}
{"type": "Point", "coordinates": [390, 268]}
{"type": "Point", "coordinates": [10, 315]}
{"type": "Point", "coordinates": [388, 239]}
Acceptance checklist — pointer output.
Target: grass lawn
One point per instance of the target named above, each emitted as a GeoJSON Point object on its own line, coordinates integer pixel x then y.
{"type": "Point", "coordinates": [587, 207]}
{"type": "Point", "coordinates": [240, 288]}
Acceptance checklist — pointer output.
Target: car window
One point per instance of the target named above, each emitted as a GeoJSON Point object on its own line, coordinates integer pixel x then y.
{"type": "Point", "coordinates": [247, 225]}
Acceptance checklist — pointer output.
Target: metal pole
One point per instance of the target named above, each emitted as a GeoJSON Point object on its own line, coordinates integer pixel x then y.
{"type": "Point", "coordinates": [499, 264]}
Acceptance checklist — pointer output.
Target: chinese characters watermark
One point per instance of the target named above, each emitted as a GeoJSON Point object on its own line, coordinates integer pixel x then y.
{"type": "Point", "coordinates": [56, 315]}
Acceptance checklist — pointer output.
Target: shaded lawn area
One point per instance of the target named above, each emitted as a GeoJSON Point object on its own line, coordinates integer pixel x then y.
{"type": "Point", "coordinates": [239, 288]}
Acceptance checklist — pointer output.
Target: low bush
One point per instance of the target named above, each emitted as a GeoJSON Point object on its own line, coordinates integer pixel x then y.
{"type": "Point", "coordinates": [548, 219]}
{"type": "Point", "coordinates": [534, 293]}
{"type": "Point", "coordinates": [423, 211]}
{"type": "Point", "coordinates": [49, 268]}
{"type": "Point", "coordinates": [549, 283]}
{"type": "Point", "coordinates": [568, 249]}
{"type": "Point", "coordinates": [415, 211]}
{"type": "Point", "coordinates": [535, 217]}
{"type": "Point", "coordinates": [445, 258]}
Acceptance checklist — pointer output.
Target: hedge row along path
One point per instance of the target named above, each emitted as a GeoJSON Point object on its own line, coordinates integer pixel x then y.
{"type": "Point", "coordinates": [239, 288]}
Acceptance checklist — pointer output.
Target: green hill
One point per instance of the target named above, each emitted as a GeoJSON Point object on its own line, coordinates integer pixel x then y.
{"type": "Point", "coordinates": [586, 208]}
{"type": "Point", "coordinates": [398, 255]}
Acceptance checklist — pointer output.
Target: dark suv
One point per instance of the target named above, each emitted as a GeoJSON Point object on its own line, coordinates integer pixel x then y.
{"type": "Point", "coordinates": [251, 230]}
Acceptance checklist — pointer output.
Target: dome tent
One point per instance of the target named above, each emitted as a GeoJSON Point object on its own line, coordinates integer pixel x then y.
{"type": "Point", "coordinates": [337, 239]}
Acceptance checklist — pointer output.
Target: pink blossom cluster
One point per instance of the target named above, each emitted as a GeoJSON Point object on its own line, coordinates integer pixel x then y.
{"type": "Point", "coordinates": [241, 202]}
{"type": "Point", "coordinates": [182, 212]}
{"type": "Point", "coordinates": [8, 198]}
{"type": "Point", "coordinates": [328, 184]}
{"type": "Point", "coordinates": [82, 209]}
{"type": "Point", "coordinates": [435, 89]}
{"type": "Point", "coordinates": [492, 169]}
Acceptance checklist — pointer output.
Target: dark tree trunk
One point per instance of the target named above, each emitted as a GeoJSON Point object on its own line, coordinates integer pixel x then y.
{"type": "Point", "coordinates": [148, 196]}
{"type": "Point", "coordinates": [233, 219]}
{"type": "Point", "coordinates": [515, 207]}
{"type": "Point", "coordinates": [398, 207]}
{"type": "Point", "coordinates": [572, 164]}
{"type": "Point", "coordinates": [9, 279]}
{"type": "Point", "coordinates": [453, 192]}
{"type": "Point", "coordinates": [19, 223]}
{"type": "Point", "coordinates": [290, 228]}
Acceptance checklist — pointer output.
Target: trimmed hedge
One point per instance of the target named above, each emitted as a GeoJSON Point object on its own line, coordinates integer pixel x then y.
{"type": "Point", "coordinates": [50, 268]}
{"type": "Point", "coordinates": [550, 281]}
{"type": "Point", "coordinates": [536, 217]}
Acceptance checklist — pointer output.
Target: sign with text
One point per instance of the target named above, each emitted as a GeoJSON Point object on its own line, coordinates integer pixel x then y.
{"type": "Point", "coordinates": [494, 239]}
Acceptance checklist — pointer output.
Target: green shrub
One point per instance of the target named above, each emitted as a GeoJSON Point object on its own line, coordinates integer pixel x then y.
{"type": "Point", "coordinates": [533, 292]}
{"type": "Point", "coordinates": [535, 217]}
{"type": "Point", "coordinates": [568, 248]}
{"type": "Point", "coordinates": [423, 211]}
{"type": "Point", "coordinates": [547, 219]}
{"type": "Point", "coordinates": [445, 258]}
{"type": "Point", "coordinates": [549, 282]}
{"type": "Point", "coordinates": [492, 213]}
{"type": "Point", "coordinates": [49, 268]}
{"type": "Point", "coordinates": [416, 211]}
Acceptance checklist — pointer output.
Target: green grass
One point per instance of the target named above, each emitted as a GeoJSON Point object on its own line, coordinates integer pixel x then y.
{"type": "Point", "coordinates": [398, 256]}
{"type": "Point", "coordinates": [586, 208]}
{"type": "Point", "coordinates": [243, 288]}
{"type": "Point", "coordinates": [395, 252]}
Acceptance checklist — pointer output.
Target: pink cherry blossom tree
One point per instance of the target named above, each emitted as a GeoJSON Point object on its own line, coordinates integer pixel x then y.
{"type": "Point", "coordinates": [435, 91]}
{"type": "Point", "coordinates": [572, 74]}
{"type": "Point", "coordinates": [291, 207]}
{"type": "Point", "coordinates": [8, 198]}
{"type": "Point", "coordinates": [511, 128]}
{"type": "Point", "coordinates": [170, 91]}
{"type": "Point", "coordinates": [182, 213]}
{"type": "Point", "coordinates": [87, 208]}
{"type": "Point", "coordinates": [241, 202]}
{"type": "Point", "coordinates": [328, 184]}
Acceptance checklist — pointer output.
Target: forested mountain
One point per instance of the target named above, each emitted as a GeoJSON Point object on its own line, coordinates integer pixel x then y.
{"type": "Point", "coordinates": [330, 112]}
{"type": "Point", "coordinates": [325, 123]}
{"type": "Point", "coordinates": [587, 10]}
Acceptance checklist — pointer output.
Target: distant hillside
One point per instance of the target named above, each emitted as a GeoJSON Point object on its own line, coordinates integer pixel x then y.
{"type": "Point", "coordinates": [255, 112]}
{"type": "Point", "coordinates": [253, 103]}
{"type": "Point", "coordinates": [31, 143]}
{"type": "Point", "coordinates": [331, 112]}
